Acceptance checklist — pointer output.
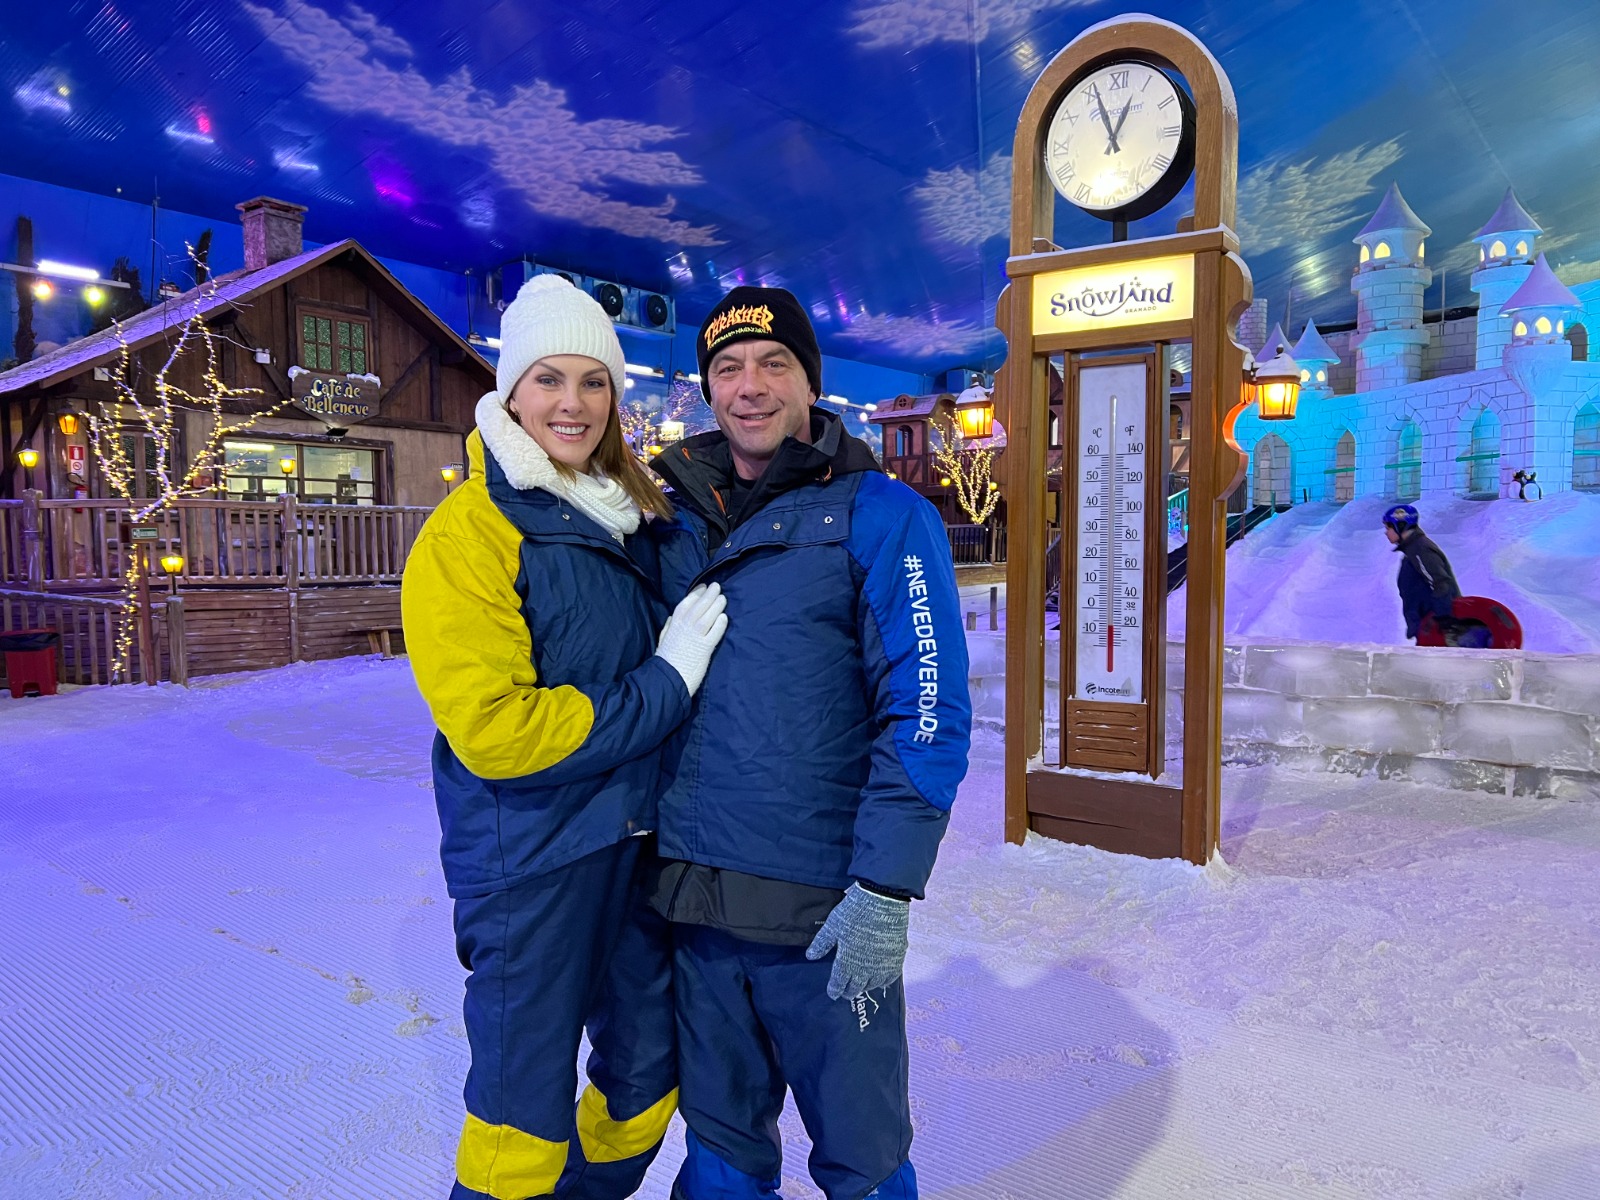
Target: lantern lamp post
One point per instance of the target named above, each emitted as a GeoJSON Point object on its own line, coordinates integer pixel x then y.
{"type": "Point", "coordinates": [287, 465]}
{"type": "Point", "coordinates": [1275, 388]}
{"type": "Point", "coordinates": [172, 563]}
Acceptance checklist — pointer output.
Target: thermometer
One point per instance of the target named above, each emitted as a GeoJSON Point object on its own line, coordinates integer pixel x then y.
{"type": "Point", "coordinates": [1109, 584]}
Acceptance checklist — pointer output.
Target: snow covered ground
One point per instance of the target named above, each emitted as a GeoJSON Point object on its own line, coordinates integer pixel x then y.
{"type": "Point", "coordinates": [226, 971]}
{"type": "Point", "coordinates": [1325, 572]}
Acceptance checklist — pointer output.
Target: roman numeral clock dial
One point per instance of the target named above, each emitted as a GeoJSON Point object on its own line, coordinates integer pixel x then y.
{"type": "Point", "coordinates": [1121, 143]}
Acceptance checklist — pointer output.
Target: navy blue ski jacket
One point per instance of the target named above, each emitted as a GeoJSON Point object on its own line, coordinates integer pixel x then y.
{"type": "Point", "coordinates": [1426, 582]}
{"type": "Point", "coordinates": [832, 729]}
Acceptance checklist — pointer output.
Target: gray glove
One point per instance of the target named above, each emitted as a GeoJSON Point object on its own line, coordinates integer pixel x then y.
{"type": "Point", "coordinates": [868, 933]}
{"type": "Point", "coordinates": [692, 633]}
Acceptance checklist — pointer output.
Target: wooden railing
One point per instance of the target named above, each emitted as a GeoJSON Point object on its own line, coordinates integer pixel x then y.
{"type": "Point", "coordinates": [77, 545]}
{"type": "Point", "coordinates": [970, 544]}
{"type": "Point", "coordinates": [88, 627]}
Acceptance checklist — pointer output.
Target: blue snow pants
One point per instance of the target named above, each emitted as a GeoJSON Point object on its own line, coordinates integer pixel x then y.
{"type": "Point", "coordinates": [575, 949]}
{"type": "Point", "coordinates": [754, 1018]}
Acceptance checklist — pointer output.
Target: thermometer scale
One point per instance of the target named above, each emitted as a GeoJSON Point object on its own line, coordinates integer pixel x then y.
{"type": "Point", "coordinates": [1112, 657]}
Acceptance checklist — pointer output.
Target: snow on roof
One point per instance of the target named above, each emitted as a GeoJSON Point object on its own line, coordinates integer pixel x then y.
{"type": "Point", "coordinates": [229, 290]}
{"type": "Point", "coordinates": [1393, 213]}
{"type": "Point", "coordinates": [904, 406]}
{"type": "Point", "coordinates": [1276, 340]}
{"type": "Point", "coordinates": [1541, 289]}
{"type": "Point", "coordinates": [1312, 347]}
{"type": "Point", "coordinates": [1510, 217]}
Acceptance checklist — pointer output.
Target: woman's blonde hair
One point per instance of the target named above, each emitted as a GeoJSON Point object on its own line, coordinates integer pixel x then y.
{"type": "Point", "coordinates": [617, 462]}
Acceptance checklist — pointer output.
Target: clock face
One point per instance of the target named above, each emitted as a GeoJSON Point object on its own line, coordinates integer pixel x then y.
{"type": "Point", "coordinates": [1121, 142]}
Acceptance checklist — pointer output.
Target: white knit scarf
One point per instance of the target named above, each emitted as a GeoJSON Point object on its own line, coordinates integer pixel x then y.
{"type": "Point", "coordinates": [527, 466]}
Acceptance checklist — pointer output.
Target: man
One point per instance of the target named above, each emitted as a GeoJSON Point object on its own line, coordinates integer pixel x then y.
{"type": "Point", "coordinates": [1426, 582]}
{"type": "Point", "coordinates": [815, 776]}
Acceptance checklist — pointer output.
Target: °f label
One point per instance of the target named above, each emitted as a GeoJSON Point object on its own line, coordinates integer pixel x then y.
{"type": "Point", "coordinates": [1109, 582]}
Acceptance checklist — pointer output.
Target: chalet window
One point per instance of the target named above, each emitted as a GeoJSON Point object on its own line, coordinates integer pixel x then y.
{"type": "Point", "coordinates": [139, 452]}
{"type": "Point", "coordinates": [316, 474]}
{"type": "Point", "coordinates": [333, 344]}
{"type": "Point", "coordinates": [902, 441]}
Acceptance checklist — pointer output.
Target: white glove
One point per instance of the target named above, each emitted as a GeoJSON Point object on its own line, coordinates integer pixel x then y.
{"type": "Point", "coordinates": [692, 633]}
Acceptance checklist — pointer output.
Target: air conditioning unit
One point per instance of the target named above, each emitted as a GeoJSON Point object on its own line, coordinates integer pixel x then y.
{"type": "Point", "coordinates": [960, 379]}
{"type": "Point", "coordinates": [635, 308]}
{"type": "Point", "coordinates": [505, 281]}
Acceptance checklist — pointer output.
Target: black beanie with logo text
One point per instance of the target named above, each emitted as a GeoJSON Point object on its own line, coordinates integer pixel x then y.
{"type": "Point", "coordinates": [771, 314]}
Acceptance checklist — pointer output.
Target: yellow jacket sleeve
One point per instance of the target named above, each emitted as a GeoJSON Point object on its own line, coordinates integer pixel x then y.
{"type": "Point", "coordinates": [472, 655]}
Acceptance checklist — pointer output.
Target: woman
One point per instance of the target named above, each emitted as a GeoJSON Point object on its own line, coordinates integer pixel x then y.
{"type": "Point", "coordinates": [531, 614]}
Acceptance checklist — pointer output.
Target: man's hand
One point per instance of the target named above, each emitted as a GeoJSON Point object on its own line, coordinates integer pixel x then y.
{"type": "Point", "coordinates": [867, 932]}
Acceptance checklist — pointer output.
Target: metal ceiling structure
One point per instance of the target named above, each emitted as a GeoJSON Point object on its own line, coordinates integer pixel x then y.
{"type": "Point", "coordinates": [855, 151]}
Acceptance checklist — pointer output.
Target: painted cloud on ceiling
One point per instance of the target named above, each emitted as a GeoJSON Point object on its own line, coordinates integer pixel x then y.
{"type": "Point", "coordinates": [907, 24]}
{"type": "Point", "coordinates": [918, 336]}
{"type": "Point", "coordinates": [532, 136]}
{"type": "Point", "coordinates": [1293, 204]}
{"type": "Point", "coordinates": [967, 208]}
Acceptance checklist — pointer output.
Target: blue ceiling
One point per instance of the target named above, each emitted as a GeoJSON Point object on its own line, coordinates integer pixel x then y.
{"type": "Point", "coordinates": [855, 151]}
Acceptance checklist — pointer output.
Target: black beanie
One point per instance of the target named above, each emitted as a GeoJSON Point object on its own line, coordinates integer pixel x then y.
{"type": "Point", "coordinates": [747, 313]}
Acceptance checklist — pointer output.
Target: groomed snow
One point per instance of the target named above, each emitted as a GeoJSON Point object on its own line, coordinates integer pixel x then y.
{"type": "Point", "coordinates": [1325, 572]}
{"type": "Point", "coordinates": [228, 972]}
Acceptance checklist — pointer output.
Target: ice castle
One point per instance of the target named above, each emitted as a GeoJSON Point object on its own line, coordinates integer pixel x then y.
{"type": "Point", "coordinates": [1460, 402]}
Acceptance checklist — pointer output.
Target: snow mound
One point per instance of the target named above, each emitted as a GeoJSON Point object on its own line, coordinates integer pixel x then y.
{"type": "Point", "coordinates": [1325, 572]}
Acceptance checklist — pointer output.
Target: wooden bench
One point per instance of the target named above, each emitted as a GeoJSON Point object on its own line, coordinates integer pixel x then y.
{"type": "Point", "coordinates": [378, 638]}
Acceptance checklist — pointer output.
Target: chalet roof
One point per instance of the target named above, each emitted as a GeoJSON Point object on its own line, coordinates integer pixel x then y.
{"type": "Point", "coordinates": [1510, 217]}
{"type": "Point", "coordinates": [231, 290]}
{"type": "Point", "coordinates": [1312, 347]}
{"type": "Point", "coordinates": [904, 406]}
{"type": "Point", "coordinates": [1541, 289]}
{"type": "Point", "coordinates": [1393, 213]}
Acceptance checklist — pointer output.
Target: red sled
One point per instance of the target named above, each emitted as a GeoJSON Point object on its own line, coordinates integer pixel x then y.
{"type": "Point", "coordinates": [1475, 622]}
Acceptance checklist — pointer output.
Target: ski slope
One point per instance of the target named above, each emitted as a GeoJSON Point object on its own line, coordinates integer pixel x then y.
{"type": "Point", "coordinates": [1326, 573]}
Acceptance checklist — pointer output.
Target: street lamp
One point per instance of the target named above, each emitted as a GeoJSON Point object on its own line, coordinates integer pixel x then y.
{"type": "Point", "coordinates": [67, 423]}
{"type": "Point", "coordinates": [29, 458]}
{"type": "Point", "coordinates": [172, 563]}
{"type": "Point", "coordinates": [287, 465]}
{"type": "Point", "coordinates": [448, 474]}
{"type": "Point", "coordinates": [1275, 387]}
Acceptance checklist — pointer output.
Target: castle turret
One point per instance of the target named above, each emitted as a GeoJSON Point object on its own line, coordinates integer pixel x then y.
{"type": "Point", "coordinates": [1539, 311]}
{"type": "Point", "coordinates": [1506, 247]}
{"type": "Point", "coordinates": [1315, 357]}
{"type": "Point", "coordinates": [1389, 282]}
{"type": "Point", "coordinates": [1276, 343]}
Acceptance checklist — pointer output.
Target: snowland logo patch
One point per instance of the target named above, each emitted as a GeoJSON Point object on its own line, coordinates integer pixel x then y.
{"type": "Point", "coordinates": [1153, 289]}
{"type": "Point", "coordinates": [859, 1007]}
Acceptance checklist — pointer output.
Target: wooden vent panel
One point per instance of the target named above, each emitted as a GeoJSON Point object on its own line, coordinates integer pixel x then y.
{"type": "Point", "coordinates": [1108, 737]}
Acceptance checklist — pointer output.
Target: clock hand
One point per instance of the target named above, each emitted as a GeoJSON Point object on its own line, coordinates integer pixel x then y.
{"type": "Point", "coordinates": [1105, 119]}
{"type": "Point", "coordinates": [1122, 118]}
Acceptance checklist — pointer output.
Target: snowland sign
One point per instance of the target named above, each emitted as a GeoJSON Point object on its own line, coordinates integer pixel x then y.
{"type": "Point", "coordinates": [1145, 292]}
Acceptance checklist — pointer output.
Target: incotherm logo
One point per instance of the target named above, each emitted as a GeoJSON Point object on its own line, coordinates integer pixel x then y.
{"type": "Point", "coordinates": [927, 652]}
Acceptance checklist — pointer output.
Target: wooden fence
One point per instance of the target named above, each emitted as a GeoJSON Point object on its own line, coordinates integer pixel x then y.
{"type": "Point", "coordinates": [76, 546]}
{"type": "Point", "coordinates": [973, 544]}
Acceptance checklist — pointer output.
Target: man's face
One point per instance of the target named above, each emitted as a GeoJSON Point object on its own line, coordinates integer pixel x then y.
{"type": "Point", "coordinates": [759, 396]}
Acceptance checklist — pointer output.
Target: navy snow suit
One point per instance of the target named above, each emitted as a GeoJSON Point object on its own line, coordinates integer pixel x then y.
{"type": "Point", "coordinates": [532, 633]}
{"type": "Point", "coordinates": [825, 747]}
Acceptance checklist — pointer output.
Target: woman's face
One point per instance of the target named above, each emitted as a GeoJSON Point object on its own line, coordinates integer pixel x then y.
{"type": "Point", "coordinates": [563, 403]}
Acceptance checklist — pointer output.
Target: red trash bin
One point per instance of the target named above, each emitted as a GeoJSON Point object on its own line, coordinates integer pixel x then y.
{"type": "Point", "coordinates": [30, 660]}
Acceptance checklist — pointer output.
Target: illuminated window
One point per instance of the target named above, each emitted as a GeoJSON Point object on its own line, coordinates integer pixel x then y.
{"type": "Point", "coordinates": [332, 344]}
{"type": "Point", "coordinates": [1322, 377]}
{"type": "Point", "coordinates": [1483, 255]}
{"type": "Point", "coordinates": [1305, 376]}
{"type": "Point", "coordinates": [1522, 249]}
{"type": "Point", "coordinates": [1542, 325]}
{"type": "Point", "coordinates": [1365, 254]}
{"type": "Point", "coordinates": [1520, 329]}
{"type": "Point", "coordinates": [1422, 249]}
{"type": "Point", "coordinates": [1382, 251]}
{"type": "Point", "coordinates": [1497, 250]}
{"type": "Point", "coordinates": [1561, 327]}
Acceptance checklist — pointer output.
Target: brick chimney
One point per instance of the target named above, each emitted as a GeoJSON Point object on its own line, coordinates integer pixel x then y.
{"type": "Point", "coordinates": [272, 231]}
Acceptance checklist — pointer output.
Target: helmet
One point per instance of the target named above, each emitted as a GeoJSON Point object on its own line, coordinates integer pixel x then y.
{"type": "Point", "coordinates": [1401, 517]}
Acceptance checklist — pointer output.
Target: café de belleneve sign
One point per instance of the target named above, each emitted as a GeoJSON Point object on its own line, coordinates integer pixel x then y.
{"type": "Point", "coordinates": [336, 399]}
{"type": "Point", "coordinates": [1091, 298]}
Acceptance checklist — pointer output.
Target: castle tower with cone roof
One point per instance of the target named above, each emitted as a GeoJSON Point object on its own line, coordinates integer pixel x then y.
{"type": "Point", "coordinates": [1315, 357]}
{"type": "Point", "coordinates": [1507, 244]}
{"type": "Point", "coordinates": [1389, 282]}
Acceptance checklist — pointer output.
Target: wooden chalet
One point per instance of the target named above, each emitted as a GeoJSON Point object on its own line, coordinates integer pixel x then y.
{"type": "Point", "coordinates": [295, 549]}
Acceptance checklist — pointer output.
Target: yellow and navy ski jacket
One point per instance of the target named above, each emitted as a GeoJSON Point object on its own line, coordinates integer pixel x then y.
{"type": "Point", "coordinates": [532, 636]}
{"type": "Point", "coordinates": [833, 726]}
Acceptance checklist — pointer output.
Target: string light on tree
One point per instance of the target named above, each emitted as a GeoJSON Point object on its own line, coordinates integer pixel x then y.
{"type": "Point", "coordinates": [159, 416]}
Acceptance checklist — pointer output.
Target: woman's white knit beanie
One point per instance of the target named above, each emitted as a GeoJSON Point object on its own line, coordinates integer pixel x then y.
{"type": "Point", "coordinates": [551, 316]}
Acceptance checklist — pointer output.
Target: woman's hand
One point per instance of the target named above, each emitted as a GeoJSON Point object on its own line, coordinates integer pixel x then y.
{"type": "Point", "coordinates": [692, 633]}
